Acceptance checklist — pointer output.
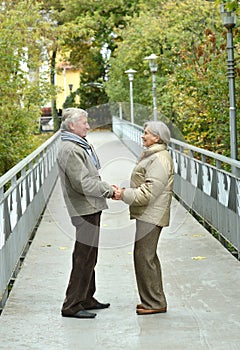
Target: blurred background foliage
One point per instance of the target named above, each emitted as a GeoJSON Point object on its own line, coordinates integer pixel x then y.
{"type": "Point", "coordinates": [104, 39]}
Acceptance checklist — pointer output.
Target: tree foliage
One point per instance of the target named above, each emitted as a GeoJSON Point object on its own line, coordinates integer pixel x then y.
{"type": "Point", "coordinates": [103, 39]}
{"type": "Point", "coordinates": [22, 90]}
{"type": "Point", "coordinates": [85, 33]}
{"type": "Point", "coordinates": [192, 87]}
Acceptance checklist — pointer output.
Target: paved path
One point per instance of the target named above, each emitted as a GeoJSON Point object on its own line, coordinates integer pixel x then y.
{"type": "Point", "coordinates": [201, 279]}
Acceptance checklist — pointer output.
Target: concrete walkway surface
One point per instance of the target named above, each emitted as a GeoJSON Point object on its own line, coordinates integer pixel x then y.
{"type": "Point", "coordinates": [201, 281]}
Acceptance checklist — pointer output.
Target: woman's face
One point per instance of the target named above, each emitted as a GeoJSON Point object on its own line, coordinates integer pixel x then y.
{"type": "Point", "coordinates": [148, 138]}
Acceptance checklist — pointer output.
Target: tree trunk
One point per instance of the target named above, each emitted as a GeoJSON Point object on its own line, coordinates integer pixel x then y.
{"type": "Point", "coordinates": [56, 120]}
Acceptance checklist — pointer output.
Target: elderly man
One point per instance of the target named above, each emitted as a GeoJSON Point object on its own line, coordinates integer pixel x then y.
{"type": "Point", "coordinates": [85, 196]}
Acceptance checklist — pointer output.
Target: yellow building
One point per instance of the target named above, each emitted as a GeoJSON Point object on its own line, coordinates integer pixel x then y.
{"type": "Point", "coordinates": [67, 79]}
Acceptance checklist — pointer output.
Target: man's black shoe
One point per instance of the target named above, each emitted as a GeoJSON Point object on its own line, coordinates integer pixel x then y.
{"type": "Point", "coordinates": [98, 306]}
{"type": "Point", "coordinates": [81, 314]}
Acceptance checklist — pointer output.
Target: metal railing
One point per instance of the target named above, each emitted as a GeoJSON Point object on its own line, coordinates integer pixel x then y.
{"type": "Point", "coordinates": [201, 183]}
{"type": "Point", "coordinates": [24, 192]}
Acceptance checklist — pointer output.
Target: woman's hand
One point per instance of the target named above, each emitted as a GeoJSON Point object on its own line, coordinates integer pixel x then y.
{"type": "Point", "coordinates": [118, 195]}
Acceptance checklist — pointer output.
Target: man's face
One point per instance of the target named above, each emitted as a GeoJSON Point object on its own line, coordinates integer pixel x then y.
{"type": "Point", "coordinates": [80, 127]}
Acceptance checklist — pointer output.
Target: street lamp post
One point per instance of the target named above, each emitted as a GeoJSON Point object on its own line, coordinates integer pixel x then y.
{"type": "Point", "coordinates": [130, 73]}
{"type": "Point", "coordinates": [153, 68]}
{"type": "Point", "coordinates": [229, 22]}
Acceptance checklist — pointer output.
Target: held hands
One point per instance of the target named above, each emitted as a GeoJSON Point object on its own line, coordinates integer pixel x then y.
{"type": "Point", "coordinates": [118, 192]}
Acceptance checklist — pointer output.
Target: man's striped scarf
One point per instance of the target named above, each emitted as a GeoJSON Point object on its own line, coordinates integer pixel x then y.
{"type": "Point", "coordinates": [69, 136]}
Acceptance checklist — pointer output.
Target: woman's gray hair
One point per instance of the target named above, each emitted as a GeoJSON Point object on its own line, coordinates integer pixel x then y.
{"type": "Point", "coordinates": [160, 129]}
{"type": "Point", "coordinates": [71, 115]}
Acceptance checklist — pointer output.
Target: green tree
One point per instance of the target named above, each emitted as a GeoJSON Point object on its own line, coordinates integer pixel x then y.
{"type": "Point", "coordinates": [192, 87]}
{"type": "Point", "coordinates": [85, 30]}
{"type": "Point", "coordinates": [22, 89]}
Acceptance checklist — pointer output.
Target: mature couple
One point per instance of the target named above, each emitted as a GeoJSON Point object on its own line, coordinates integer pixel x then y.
{"type": "Point", "coordinates": [85, 194]}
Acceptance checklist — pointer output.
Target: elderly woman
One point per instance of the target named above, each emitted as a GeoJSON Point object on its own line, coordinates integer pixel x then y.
{"type": "Point", "coordinates": [149, 198]}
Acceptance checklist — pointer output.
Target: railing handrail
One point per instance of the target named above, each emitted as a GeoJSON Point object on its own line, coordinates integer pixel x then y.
{"type": "Point", "coordinates": [219, 157]}
{"type": "Point", "coordinates": [30, 184]}
{"type": "Point", "coordinates": [18, 167]}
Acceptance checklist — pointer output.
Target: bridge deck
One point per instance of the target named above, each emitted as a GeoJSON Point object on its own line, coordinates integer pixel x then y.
{"type": "Point", "coordinates": [201, 279]}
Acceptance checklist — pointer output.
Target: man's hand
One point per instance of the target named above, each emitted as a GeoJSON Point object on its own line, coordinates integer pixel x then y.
{"type": "Point", "coordinates": [115, 188]}
{"type": "Point", "coordinates": [118, 195]}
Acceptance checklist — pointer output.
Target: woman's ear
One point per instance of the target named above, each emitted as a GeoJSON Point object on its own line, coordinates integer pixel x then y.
{"type": "Point", "coordinates": [157, 138]}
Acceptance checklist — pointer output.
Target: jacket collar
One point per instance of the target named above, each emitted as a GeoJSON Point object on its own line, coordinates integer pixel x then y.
{"type": "Point", "coordinates": [155, 148]}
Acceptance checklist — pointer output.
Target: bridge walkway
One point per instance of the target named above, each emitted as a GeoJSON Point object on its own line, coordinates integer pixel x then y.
{"type": "Point", "coordinates": [201, 280]}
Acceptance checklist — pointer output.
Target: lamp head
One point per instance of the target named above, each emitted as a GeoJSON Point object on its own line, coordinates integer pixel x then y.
{"type": "Point", "coordinates": [152, 62]}
{"type": "Point", "coordinates": [130, 72]}
{"type": "Point", "coordinates": [229, 18]}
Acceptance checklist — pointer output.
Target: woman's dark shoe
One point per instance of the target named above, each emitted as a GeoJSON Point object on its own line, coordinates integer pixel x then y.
{"type": "Point", "coordinates": [139, 306]}
{"type": "Point", "coordinates": [151, 311]}
{"type": "Point", "coordinates": [81, 314]}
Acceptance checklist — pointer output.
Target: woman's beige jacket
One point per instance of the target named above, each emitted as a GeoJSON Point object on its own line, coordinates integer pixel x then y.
{"type": "Point", "coordinates": [151, 186]}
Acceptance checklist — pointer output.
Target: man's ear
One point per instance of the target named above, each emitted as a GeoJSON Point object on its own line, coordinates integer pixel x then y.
{"type": "Point", "coordinates": [71, 126]}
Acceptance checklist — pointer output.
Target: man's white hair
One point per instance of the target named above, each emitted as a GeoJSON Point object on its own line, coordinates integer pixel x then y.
{"type": "Point", "coordinates": [71, 115]}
